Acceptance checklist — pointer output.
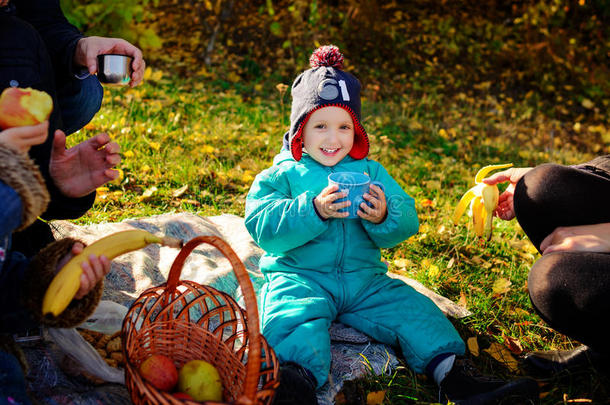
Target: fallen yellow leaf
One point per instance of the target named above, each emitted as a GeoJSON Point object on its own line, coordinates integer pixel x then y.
{"type": "Point", "coordinates": [402, 263]}
{"type": "Point", "coordinates": [178, 192]}
{"type": "Point", "coordinates": [375, 398]}
{"type": "Point", "coordinates": [502, 355]}
{"type": "Point", "coordinates": [462, 302]}
{"type": "Point", "coordinates": [473, 346]}
{"type": "Point", "coordinates": [147, 194]}
{"type": "Point", "coordinates": [501, 286]}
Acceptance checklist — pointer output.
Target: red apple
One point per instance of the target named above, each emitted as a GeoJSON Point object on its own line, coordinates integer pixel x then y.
{"type": "Point", "coordinates": [19, 107]}
{"type": "Point", "coordinates": [183, 395]}
{"type": "Point", "coordinates": [160, 371]}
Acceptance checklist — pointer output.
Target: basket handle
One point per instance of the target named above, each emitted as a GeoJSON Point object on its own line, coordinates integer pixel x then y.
{"type": "Point", "coordinates": [254, 353]}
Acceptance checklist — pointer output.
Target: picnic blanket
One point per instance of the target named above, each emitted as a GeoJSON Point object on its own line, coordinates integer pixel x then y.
{"type": "Point", "coordinates": [353, 353]}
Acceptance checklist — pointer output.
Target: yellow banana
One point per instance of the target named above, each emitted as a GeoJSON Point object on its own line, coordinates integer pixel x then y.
{"type": "Point", "coordinates": [483, 201]}
{"type": "Point", "coordinates": [66, 283]}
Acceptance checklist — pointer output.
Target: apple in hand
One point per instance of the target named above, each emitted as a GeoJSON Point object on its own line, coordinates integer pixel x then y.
{"type": "Point", "coordinates": [160, 371]}
{"type": "Point", "coordinates": [20, 107]}
{"type": "Point", "coordinates": [200, 380]}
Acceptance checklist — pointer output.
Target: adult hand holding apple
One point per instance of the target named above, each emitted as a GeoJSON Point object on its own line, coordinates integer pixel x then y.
{"type": "Point", "coordinates": [22, 138]}
{"type": "Point", "coordinates": [23, 107]}
{"type": "Point", "coordinates": [24, 115]}
{"type": "Point", "coordinates": [78, 171]}
{"type": "Point", "coordinates": [88, 48]}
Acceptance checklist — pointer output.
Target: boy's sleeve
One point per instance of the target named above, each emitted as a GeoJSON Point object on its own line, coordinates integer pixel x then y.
{"type": "Point", "coordinates": [276, 221]}
{"type": "Point", "coordinates": [401, 221]}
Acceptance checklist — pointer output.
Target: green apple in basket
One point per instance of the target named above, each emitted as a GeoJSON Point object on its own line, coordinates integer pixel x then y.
{"type": "Point", "coordinates": [200, 380]}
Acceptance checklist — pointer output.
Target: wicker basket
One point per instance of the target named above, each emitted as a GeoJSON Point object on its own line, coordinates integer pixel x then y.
{"type": "Point", "coordinates": [185, 321]}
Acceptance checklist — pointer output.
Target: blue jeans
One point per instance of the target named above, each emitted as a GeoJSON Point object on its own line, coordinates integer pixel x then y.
{"type": "Point", "coordinates": [79, 101]}
{"type": "Point", "coordinates": [12, 382]}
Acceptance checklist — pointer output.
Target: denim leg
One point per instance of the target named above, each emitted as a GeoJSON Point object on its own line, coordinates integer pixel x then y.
{"type": "Point", "coordinates": [12, 381]}
{"type": "Point", "coordinates": [79, 101]}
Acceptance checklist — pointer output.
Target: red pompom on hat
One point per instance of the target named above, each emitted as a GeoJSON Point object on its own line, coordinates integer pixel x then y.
{"type": "Point", "coordinates": [325, 85]}
{"type": "Point", "coordinates": [327, 55]}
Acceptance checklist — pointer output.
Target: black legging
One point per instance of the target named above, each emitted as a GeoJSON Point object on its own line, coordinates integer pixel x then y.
{"type": "Point", "coordinates": [569, 290]}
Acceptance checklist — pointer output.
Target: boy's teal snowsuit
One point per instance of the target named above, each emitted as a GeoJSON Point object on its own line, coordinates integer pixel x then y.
{"type": "Point", "coordinates": [318, 270]}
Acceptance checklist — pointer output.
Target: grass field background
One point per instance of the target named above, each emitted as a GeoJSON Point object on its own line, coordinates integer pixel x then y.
{"type": "Point", "coordinates": [196, 145]}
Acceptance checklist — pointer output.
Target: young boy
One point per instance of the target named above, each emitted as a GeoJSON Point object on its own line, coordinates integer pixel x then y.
{"type": "Point", "coordinates": [321, 267]}
{"type": "Point", "coordinates": [23, 282]}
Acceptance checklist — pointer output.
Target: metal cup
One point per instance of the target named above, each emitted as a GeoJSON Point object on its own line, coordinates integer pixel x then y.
{"type": "Point", "coordinates": [114, 69]}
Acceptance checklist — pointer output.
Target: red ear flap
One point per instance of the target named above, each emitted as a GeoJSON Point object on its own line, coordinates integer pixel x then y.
{"type": "Point", "coordinates": [296, 146]}
{"type": "Point", "coordinates": [360, 149]}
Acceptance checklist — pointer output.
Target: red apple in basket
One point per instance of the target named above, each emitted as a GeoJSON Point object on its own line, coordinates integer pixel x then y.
{"type": "Point", "coordinates": [20, 107]}
{"type": "Point", "coordinates": [183, 395]}
{"type": "Point", "coordinates": [160, 372]}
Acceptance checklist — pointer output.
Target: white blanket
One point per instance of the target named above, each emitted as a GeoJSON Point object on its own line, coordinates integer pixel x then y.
{"type": "Point", "coordinates": [134, 272]}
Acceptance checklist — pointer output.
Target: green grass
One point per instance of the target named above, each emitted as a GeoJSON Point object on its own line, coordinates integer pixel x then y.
{"type": "Point", "coordinates": [190, 146]}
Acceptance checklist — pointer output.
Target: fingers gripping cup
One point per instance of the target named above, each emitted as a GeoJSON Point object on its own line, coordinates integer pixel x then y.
{"type": "Point", "coordinates": [114, 69]}
{"type": "Point", "coordinates": [355, 185]}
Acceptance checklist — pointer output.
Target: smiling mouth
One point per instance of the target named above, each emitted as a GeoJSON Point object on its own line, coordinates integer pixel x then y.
{"type": "Point", "coordinates": [328, 151]}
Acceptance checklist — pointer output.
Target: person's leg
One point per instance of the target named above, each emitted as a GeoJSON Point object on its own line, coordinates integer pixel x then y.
{"type": "Point", "coordinates": [569, 290]}
{"type": "Point", "coordinates": [12, 381]}
{"type": "Point", "coordinates": [392, 312]}
{"type": "Point", "coordinates": [295, 317]}
{"type": "Point", "coordinates": [552, 195]}
{"type": "Point", "coordinates": [79, 101]}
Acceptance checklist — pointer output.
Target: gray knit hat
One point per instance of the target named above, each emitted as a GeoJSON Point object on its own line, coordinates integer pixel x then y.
{"type": "Point", "coordinates": [324, 85]}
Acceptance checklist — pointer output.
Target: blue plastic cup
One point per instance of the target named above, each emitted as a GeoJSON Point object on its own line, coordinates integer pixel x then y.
{"type": "Point", "coordinates": [355, 185]}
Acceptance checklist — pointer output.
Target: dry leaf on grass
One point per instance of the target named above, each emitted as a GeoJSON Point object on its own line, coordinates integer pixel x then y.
{"type": "Point", "coordinates": [501, 354]}
{"type": "Point", "coordinates": [375, 398]}
{"type": "Point", "coordinates": [473, 346]}
{"type": "Point", "coordinates": [513, 344]}
{"type": "Point", "coordinates": [501, 286]}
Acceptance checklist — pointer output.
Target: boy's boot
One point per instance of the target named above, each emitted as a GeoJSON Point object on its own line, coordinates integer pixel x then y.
{"type": "Point", "coordinates": [545, 363]}
{"type": "Point", "coordinates": [465, 385]}
{"type": "Point", "coordinates": [297, 386]}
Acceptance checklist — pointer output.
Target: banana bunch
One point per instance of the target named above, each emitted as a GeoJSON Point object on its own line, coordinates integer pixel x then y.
{"type": "Point", "coordinates": [483, 201]}
{"type": "Point", "coordinates": [66, 282]}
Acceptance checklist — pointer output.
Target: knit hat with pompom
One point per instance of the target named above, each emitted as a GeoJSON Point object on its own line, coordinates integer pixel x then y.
{"type": "Point", "coordinates": [324, 85]}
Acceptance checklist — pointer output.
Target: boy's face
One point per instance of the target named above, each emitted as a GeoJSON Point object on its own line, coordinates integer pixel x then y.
{"type": "Point", "coordinates": [328, 135]}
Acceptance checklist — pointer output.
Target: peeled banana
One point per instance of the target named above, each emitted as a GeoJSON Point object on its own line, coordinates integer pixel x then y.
{"type": "Point", "coordinates": [483, 200]}
{"type": "Point", "coordinates": [66, 283]}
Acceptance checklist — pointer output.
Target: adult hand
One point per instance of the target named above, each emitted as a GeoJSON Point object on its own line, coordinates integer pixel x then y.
{"type": "Point", "coordinates": [88, 48]}
{"type": "Point", "coordinates": [81, 169]}
{"type": "Point", "coordinates": [325, 203]}
{"type": "Point", "coordinates": [506, 209]}
{"type": "Point", "coordinates": [23, 138]}
{"type": "Point", "coordinates": [378, 212]}
{"type": "Point", "coordinates": [582, 238]}
{"type": "Point", "coordinates": [94, 269]}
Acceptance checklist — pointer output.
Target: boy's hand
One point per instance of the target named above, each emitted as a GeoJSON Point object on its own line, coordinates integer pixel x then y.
{"type": "Point", "coordinates": [94, 270]}
{"type": "Point", "coordinates": [325, 203]}
{"type": "Point", "coordinates": [23, 138]}
{"type": "Point", "coordinates": [378, 212]}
